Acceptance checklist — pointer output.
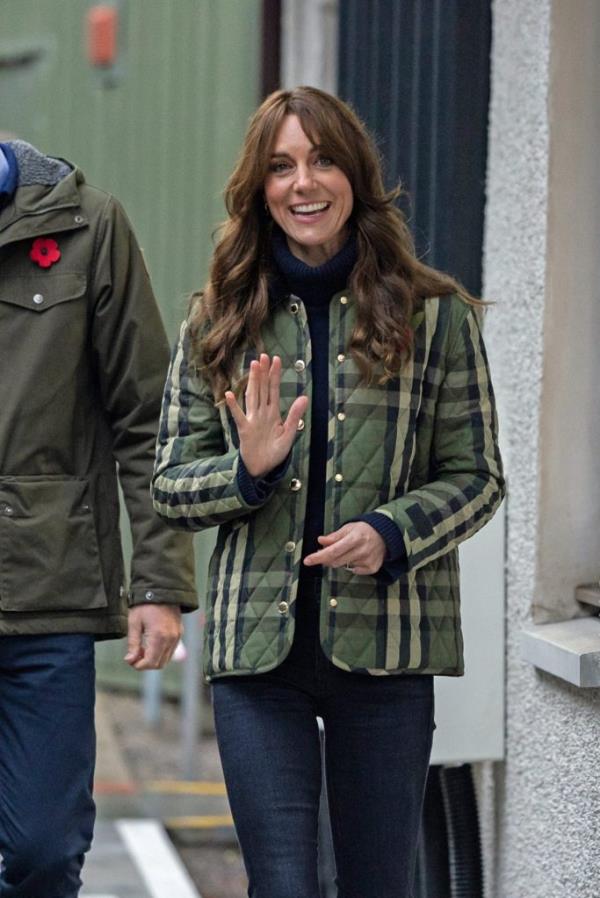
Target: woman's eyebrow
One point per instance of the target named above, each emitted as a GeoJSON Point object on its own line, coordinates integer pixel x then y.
{"type": "Point", "coordinates": [285, 153]}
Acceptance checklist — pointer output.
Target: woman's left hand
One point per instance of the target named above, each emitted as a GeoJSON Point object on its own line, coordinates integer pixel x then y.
{"type": "Point", "coordinates": [356, 546]}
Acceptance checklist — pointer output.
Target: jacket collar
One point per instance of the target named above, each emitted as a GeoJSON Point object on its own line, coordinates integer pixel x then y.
{"type": "Point", "coordinates": [43, 181]}
{"type": "Point", "coordinates": [47, 190]}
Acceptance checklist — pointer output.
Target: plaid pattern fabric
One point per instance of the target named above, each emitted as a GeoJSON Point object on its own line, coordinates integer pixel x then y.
{"type": "Point", "coordinates": [421, 449]}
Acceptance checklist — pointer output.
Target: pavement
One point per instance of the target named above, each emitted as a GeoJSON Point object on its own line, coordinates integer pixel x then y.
{"type": "Point", "coordinates": [132, 855]}
{"type": "Point", "coordinates": [134, 859]}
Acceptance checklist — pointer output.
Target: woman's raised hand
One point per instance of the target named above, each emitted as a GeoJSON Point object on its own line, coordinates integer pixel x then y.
{"type": "Point", "coordinates": [265, 440]}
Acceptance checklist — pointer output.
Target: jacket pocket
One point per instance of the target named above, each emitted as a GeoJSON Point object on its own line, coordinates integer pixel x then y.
{"type": "Point", "coordinates": [43, 292]}
{"type": "Point", "coordinates": [49, 557]}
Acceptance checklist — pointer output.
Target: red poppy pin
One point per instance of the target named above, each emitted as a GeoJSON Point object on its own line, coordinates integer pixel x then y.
{"type": "Point", "coordinates": [44, 251]}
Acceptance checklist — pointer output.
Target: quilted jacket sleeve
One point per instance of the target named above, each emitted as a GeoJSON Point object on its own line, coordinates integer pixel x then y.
{"type": "Point", "coordinates": [467, 484]}
{"type": "Point", "coordinates": [195, 483]}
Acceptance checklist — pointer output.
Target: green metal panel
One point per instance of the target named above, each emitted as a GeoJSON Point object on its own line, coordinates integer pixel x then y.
{"type": "Point", "coordinates": [161, 131]}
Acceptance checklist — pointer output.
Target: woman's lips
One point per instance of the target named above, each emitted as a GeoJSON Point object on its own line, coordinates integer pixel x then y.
{"type": "Point", "coordinates": [309, 212]}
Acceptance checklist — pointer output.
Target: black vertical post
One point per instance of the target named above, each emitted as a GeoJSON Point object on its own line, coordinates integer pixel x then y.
{"type": "Point", "coordinates": [417, 72]}
{"type": "Point", "coordinates": [271, 46]}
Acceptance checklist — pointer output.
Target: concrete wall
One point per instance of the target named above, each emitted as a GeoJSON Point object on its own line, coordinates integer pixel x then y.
{"type": "Point", "coordinates": [309, 39]}
{"type": "Point", "coordinates": [542, 267]}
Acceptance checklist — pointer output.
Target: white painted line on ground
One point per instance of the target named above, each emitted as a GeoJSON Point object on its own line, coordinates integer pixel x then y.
{"type": "Point", "coordinates": [156, 859]}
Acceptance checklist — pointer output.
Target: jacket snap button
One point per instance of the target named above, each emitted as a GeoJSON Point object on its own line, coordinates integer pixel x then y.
{"type": "Point", "coordinates": [333, 603]}
{"type": "Point", "coordinates": [299, 366]}
{"type": "Point", "coordinates": [294, 308]}
{"type": "Point", "coordinates": [290, 546]}
{"type": "Point", "coordinates": [300, 424]}
{"type": "Point", "coordinates": [85, 507]}
{"type": "Point", "coordinates": [295, 485]}
{"type": "Point", "coordinates": [283, 607]}
{"type": "Point", "coordinates": [149, 595]}
{"type": "Point", "coordinates": [344, 300]}
{"type": "Point", "coordinates": [341, 357]}
{"type": "Point", "coordinates": [341, 416]}
{"type": "Point", "coordinates": [339, 478]}
{"type": "Point", "coordinates": [38, 299]}
{"type": "Point", "coordinates": [5, 508]}
{"type": "Point", "coordinates": [79, 219]}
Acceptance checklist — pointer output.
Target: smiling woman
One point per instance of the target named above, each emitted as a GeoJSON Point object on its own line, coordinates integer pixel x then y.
{"type": "Point", "coordinates": [308, 196]}
{"type": "Point", "coordinates": [329, 407]}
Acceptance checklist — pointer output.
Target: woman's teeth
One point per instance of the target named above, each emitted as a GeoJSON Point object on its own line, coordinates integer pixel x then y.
{"type": "Point", "coordinates": [309, 208]}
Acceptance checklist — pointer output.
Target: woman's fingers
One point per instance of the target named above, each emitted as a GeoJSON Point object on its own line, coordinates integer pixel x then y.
{"type": "Point", "coordinates": [252, 395]}
{"type": "Point", "coordinates": [297, 410]}
{"type": "Point", "coordinates": [340, 546]}
{"type": "Point", "coordinates": [264, 365]}
{"type": "Point", "coordinates": [274, 381]}
{"type": "Point", "coordinates": [356, 545]}
{"type": "Point", "coordinates": [233, 406]}
{"type": "Point", "coordinates": [264, 379]}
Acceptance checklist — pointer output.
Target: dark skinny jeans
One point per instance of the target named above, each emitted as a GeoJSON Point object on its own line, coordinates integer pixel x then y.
{"type": "Point", "coordinates": [378, 733]}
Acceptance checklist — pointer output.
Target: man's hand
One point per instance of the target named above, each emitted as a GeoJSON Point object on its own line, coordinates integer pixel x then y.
{"type": "Point", "coordinates": [153, 632]}
{"type": "Point", "coordinates": [356, 546]}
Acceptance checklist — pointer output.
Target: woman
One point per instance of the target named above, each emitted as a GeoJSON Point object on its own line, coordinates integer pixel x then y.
{"type": "Point", "coordinates": [333, 588]}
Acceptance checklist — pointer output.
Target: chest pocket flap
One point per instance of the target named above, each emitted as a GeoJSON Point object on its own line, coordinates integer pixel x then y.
{"type": "Point", "coordinates": [44, 291]}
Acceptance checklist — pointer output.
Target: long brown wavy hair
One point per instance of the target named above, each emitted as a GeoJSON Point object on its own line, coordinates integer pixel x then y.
{"type": "Point", "coordinates": [387, 280]}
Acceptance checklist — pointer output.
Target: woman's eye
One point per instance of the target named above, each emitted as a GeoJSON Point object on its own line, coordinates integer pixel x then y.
{"type": "Point", "coordinates": [279, 166]}
{"type": "Point", "coordinates": [324, 161]}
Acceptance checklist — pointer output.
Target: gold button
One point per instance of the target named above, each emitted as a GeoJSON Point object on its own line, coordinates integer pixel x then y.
{"type": "Point", "coordinates": [344, 300]}
{"type": "Point", "coordinates": [290, 546]}
{"type": "Point", "coordinates": [341, 416]}
{"type": "Point", "coordinates": [300, 424]}
{"type": "Point", "coordinates": [295, 485]}
{"type": "Point", "coordinates": [341, 357]}
{"type": "Point", "coordinates": [339, 477]}
{"type": "Point", "coordinates": [294, 308]}
{"type": "Point", "coordinates": [333, 603]}
{"type": "Point", "coordinates": [299, 366]}
{"type": "Point", "coordinates": [283, 607]}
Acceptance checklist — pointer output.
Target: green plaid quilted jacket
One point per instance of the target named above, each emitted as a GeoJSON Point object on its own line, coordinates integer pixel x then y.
{"type": "Point", "coordinates": [421, 449]}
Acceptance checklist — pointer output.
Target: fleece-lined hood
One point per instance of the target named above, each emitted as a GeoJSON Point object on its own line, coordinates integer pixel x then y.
{"type": "Point", "coordinates": [35, 168]}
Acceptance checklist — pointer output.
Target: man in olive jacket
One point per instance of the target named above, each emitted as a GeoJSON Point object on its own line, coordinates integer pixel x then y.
{"type": "Point", "coordinates": [84, 357]}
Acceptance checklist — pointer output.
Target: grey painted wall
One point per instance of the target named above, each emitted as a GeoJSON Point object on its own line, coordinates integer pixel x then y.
{"type": "Point", "coordinates": [541, 806]}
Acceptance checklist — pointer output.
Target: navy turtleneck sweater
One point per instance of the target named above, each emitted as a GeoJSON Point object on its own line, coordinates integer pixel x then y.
{"type": "Point", "coordinates": [315, 286]}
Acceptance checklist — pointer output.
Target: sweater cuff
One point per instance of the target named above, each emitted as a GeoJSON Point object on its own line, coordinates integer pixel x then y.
{"type": "Point", "coordinates": [395, 561]}
{"type": "Point", "coordinates": [389, 532]}
{"type": "Point", "coordinates": [256, 490]}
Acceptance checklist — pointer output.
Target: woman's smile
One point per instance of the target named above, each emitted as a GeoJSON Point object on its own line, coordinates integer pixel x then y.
{"type": "Point", "coordinates": [308, 196]}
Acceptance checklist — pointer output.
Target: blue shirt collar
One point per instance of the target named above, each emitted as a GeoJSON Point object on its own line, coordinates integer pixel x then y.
{"type": "Point", "coordinates": [9, 173]}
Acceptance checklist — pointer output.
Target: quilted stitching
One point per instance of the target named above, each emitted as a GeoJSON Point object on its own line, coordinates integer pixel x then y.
{"type": "Point", "coordinates": [440, 408]}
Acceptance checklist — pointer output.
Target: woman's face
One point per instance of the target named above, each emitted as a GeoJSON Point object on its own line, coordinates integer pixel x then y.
{"type": "Point", "coordinates": [308, 196]}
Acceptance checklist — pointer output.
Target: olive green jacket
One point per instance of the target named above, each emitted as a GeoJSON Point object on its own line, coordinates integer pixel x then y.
{"type": "Point", "coordinates": [84, 357]}
{"type": "Point", "coordinates": [421, 449]}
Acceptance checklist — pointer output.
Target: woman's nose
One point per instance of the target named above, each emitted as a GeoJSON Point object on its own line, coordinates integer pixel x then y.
{"type": "Point", "coordinates": [304, 178]}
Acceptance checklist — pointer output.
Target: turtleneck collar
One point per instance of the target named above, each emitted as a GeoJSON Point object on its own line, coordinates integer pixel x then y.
{"type": "Point", "coordinates": [314, 285]}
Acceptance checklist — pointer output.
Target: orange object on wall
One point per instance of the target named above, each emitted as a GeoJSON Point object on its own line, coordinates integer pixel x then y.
{"type": "Point", "coordinates": [102, 31]}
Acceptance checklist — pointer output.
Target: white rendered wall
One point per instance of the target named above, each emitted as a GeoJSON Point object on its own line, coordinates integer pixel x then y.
{"type": "Point", "coordinates": [542, 265]}
{"type": "Point", "coordinates": [309, 40]}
